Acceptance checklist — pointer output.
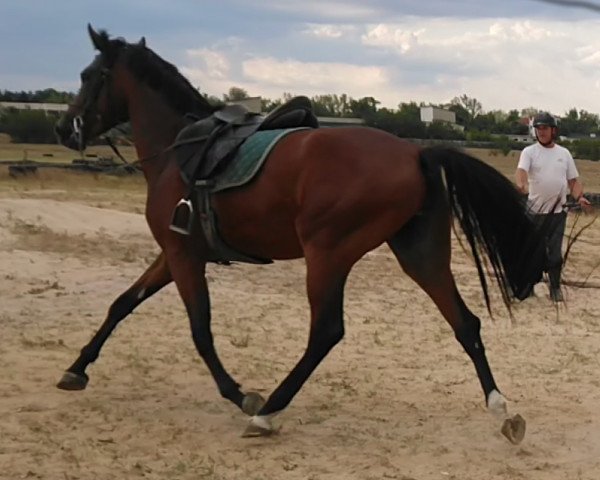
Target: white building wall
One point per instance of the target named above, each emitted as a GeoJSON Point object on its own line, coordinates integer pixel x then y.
{"type": "Point", "coordinates": [431, 114]}
{"type": "Point", "coordinates": [46, 107]}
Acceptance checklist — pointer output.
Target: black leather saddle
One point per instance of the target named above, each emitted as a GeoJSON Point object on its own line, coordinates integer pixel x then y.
{"type": "Point", "coordinates": [204, 147]}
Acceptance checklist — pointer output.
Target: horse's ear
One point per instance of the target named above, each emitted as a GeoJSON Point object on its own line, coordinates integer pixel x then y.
{"type": "Point", "coordinates": [98, 40]}
{"type": "Point", "coordinates": [142, 42]}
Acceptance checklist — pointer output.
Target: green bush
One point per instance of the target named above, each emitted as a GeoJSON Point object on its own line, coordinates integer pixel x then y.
{"type": "Point", "coordinates": [28, 126]}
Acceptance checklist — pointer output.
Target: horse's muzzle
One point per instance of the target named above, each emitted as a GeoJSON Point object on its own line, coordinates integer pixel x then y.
{"type": "Point", "coordinates": [65, 135]}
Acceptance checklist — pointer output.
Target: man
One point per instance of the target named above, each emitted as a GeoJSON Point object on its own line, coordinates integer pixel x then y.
{"type": "Point", "coordinates": [547, 171]}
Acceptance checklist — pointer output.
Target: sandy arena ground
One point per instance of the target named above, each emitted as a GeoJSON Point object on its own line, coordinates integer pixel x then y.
{"type": "Point", "coordinates": [397, 399]}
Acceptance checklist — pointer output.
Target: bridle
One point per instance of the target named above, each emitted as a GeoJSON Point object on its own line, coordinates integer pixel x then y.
{"type": "Point", "coordinates": [88, 110]}
{"type": "Point", "coordinates": [88, 107]}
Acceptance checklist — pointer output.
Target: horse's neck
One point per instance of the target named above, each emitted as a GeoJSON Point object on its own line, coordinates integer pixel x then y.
{"type": "Point", "coordinates": [154, 125]}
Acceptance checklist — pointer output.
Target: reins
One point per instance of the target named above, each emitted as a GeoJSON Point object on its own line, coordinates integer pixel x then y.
{"type": "Point", "coordinates": [77, 129]}
{"type": "Point", "coordinates": [147, 158]}
{"type": "Point", "coordinates": [137, 163]}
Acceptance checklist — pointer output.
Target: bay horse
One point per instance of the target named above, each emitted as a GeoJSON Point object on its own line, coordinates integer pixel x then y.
{"type": "Point", "coordinates": [329, 195]}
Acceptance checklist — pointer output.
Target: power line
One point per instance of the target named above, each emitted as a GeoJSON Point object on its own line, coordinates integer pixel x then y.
{"type": "Point", "coordinates": [574, 3]}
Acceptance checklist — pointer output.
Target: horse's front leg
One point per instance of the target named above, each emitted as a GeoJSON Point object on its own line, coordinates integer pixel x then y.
{"type": "Point", "coordinates": [151, 281]}
{"type": "Point", "coordinates": [189, 274]}
{"type": "Point", "coordinates": [326, 279]}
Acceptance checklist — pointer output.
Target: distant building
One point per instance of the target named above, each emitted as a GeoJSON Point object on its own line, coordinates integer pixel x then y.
{"type": "Point", "coordinates": [254, 105]}
{"type": "Point", "coordinates": [45, 107]}
{"type": "Point", "coordinates": [340, 122]}
{"type": "Point", "coordinates": [514, 137]}
{"type": "Point", "coordinates": [436, 114]}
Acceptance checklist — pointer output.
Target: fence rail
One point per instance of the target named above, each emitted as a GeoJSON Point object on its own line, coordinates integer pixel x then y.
{"type": "Point", "coordinates": [105, 165]}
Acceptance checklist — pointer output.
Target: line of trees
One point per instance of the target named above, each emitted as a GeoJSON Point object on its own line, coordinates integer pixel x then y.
{"type": "Point", "coordinates": [32, 126]}
{"type": "Point", "coordinates": [49, 95]}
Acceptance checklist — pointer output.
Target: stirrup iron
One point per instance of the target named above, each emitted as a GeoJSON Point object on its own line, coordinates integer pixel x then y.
{"type": "Point", "coordinates": [183, 217]}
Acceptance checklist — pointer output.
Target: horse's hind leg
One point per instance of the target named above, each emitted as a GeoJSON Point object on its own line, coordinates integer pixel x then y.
{"type": "Point", "coordinates": [151, 281]}
{"type": "Point", "coordinates": [423, 249]}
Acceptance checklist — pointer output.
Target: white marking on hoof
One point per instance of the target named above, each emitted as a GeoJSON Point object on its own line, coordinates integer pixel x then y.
{"type": "Point", "coordinates": [264, 422]}
{"type": "Point", "coordinates": [497, 404]}
{"type": "Point", "coordinates": [260, 426]}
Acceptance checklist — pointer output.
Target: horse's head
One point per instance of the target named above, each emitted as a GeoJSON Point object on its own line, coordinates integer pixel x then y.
{"type": "Point", "coordinates": [100, 103]}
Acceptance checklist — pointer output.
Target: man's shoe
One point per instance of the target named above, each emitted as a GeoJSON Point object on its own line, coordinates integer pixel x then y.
{"type": "Point", "coordinates": [556, 295]}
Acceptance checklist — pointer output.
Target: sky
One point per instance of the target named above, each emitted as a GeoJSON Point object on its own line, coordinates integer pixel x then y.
{"type": "Point", "coordinates": [507, 54]}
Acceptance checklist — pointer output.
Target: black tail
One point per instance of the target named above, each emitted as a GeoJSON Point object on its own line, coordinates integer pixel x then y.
{"type": "Point", "coordinates": [494, 218]}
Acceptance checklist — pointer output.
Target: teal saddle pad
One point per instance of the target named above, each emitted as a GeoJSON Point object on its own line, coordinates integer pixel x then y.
{"type": "Point", "coordinates": [242, 168]}
{"type": "Point", "coordinates": [249, 158]}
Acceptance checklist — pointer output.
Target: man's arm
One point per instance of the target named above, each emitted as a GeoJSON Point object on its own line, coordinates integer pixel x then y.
{"type": "Point", "coordinates": [522, 180]}
{"type": "Point", "coordinates": [576, 188]}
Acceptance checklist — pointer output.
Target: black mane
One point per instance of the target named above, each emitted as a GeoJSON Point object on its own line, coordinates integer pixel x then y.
{"type": "Point", "coordinates": [162, 76]}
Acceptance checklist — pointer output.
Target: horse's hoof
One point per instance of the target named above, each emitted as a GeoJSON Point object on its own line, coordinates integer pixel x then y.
{"type": "Point", "coordinates": [256, 431]}
{"type": "Point", "coordinates": [73, 381]}
{"type": "Point", "coordinates": [253, 430]}
{"type": "Point", "coordinates": [514, 429]}
{"type": "Point", "coordinates": [252, 403]}
{"type": "Point", "coordinates": [261, 426]}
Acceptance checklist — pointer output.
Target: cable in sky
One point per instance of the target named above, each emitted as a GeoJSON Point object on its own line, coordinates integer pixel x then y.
{"type": "Point", "coordinates": [574, 3]}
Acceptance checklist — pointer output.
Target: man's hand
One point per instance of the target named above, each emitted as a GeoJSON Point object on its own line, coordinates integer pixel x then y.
{"type": "Point", "coordinates": [585, 204]}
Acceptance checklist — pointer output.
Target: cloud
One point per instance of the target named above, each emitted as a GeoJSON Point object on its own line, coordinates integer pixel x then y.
{"type": "Point", "coordinates": [214, 72]}
{"type": "Point", "coordinates": [214, 64]}
{"type": "Point", "coordinates": [390, 36]}
{"type": "Point", "coordinates": [315, 77]}
{"type": "Point", "coordinates": [505, 63]}
{"type": "Point", "coordinates": [327, 31]}
{"type": "Point", "coordinates": [342, 10]}
{"type": "Point", "coordinates": [447, 34]}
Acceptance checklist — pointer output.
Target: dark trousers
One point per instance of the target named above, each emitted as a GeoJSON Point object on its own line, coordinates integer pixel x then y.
{"type": "Point", "coordinates": [554, 224]}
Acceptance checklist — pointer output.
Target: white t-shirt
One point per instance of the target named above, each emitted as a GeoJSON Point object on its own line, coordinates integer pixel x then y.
{"type": "Point", "coordinates": [548, 170]}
